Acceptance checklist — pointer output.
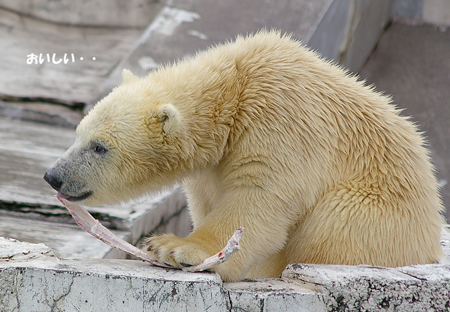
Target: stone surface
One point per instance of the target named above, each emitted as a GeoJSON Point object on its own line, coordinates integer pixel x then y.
{"type": "Point", "coordinates": [412, 64]}
{"type": "Point", "coordinates": [162, 215]}
{"type": "Point", "coordinates": [342, 30]}
{"type": "Point", "coordinates": [51, 114]}
{"type": "Point", "coordinates": [437, 12]}
{"type": "Point", "coordinates": [72, 83]}
{"type": "Point", "coordinates": [369, 288]}
{"type": "Point", "coordinates": [107, 285]}
{"type": "Point", "coordinates": [69, 241]}
{"type": "Point", "coordinates": [408, 11]}
{"type": "Point", "coordinates": [33, 279]}
{"type": "Point", "coordinates": [26, 151]}
{"type": "Point", "coordinates": [270, 295]}
{"type": "Point", "coordinates": [361, 288]}
{"type": "Point", "coordinates": [14, 250]}
{"type": "Point", "coordinates": [117, 13]}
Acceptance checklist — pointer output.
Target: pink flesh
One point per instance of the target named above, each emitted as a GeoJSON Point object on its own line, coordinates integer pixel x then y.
{"type": "Point", "coordinates": [61, 195]}
{"type": "Point", "coordinates": [88, 223]}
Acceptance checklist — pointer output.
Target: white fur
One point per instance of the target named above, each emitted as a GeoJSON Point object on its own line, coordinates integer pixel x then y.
{"type": "Point", "coordinates": [316, 166]}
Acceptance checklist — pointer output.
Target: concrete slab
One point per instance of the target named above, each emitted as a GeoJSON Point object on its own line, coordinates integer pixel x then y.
{"type": "Point", "coordinates": [413, 65]}
{"type": "Point", "coordinates": [166, 215]}
{"type": "Point", "coordinates": [14, 250]}
{"type": "Point", "coordinates": [50, 114]}
{"type": "Point", "coordinates": [57, 73]}
{"type": "Point", "coordinates": [106, 285]}
{"type": "Point", "coordinates": [346, 288]}
{"type": "Point", "coordinates": [341, 30]}
{"type": "Point", "coordinates": [34, 279]}
{"type": "Point", "coordinates": [26, 151]}
{"type": "Point", "coordinates": [436, 12]}
{"type": "Point", "coordinates": [68, 241]}
{"type": "Point", "coordinates": [129, 13]}
{"type": "Point", "coordinates": [273, 295]}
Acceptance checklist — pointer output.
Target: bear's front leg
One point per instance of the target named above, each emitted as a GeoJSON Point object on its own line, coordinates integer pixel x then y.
{"type": "Point", "coordinates": [178, 252]}
{"type": "Point", "coordinates": [265, 218]}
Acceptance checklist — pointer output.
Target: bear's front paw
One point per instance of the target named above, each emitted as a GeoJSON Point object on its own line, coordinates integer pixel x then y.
{"type": "Point", "coordinates": [175, 251]}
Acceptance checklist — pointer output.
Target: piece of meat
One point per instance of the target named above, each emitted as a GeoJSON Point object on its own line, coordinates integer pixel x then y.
{"type": "Point", "coordinates": [88, 223]}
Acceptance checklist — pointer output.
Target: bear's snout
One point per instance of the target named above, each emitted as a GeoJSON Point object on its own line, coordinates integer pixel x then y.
{"type": "Point", "coordinates": [67, 188]}
{"type": "Point", "coordinates": [53, 178]}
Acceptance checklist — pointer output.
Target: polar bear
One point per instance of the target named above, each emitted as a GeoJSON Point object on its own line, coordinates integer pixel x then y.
{"type": "Point", "coordinates": [264, 134]}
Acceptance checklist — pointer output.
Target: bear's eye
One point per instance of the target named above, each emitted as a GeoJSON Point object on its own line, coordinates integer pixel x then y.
{"type": "Point", "coordinates": [100, 149]}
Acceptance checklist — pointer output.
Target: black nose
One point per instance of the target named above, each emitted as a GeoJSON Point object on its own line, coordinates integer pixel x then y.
{"type": "Point", "coordinates": [53, 179]}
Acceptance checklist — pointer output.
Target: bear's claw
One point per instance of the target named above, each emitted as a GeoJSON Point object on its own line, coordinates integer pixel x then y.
{"type": "Point", "coordinates": [175, 251]}
{"type": "Point", "coordinates": [189, 256]}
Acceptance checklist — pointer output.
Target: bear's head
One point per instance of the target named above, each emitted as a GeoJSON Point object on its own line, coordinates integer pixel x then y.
{"type": "Point", "coordinates": [132, 142]}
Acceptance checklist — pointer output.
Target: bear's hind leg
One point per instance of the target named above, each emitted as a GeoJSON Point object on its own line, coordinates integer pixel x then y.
{"type": "Point", "coordinates": [357, 225]}
{"type": "Point", "coordinates": [272, 267]}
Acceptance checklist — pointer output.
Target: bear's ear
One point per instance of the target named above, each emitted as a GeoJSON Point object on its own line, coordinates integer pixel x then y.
{"type": "Point", "coordinates": [170, 118]}
{"type": "Point", "coordinates": [127, 76]}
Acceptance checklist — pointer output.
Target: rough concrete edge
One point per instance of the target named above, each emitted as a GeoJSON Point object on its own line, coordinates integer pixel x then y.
{"type": "Point", "coordinates": [50, 114]}
{"type": "Point", "coordinates": [274, 295]}
{"type": "Point", "coordinates": [46, 281]}
{"type": "Point", "coordinates": [14, 250]}
{"type": "Point", "coordinates": [106, 285]}
{"type": "Point", "coordinates": [369, 288]}
{"type": "Point", "coordinates": [49, 283]}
